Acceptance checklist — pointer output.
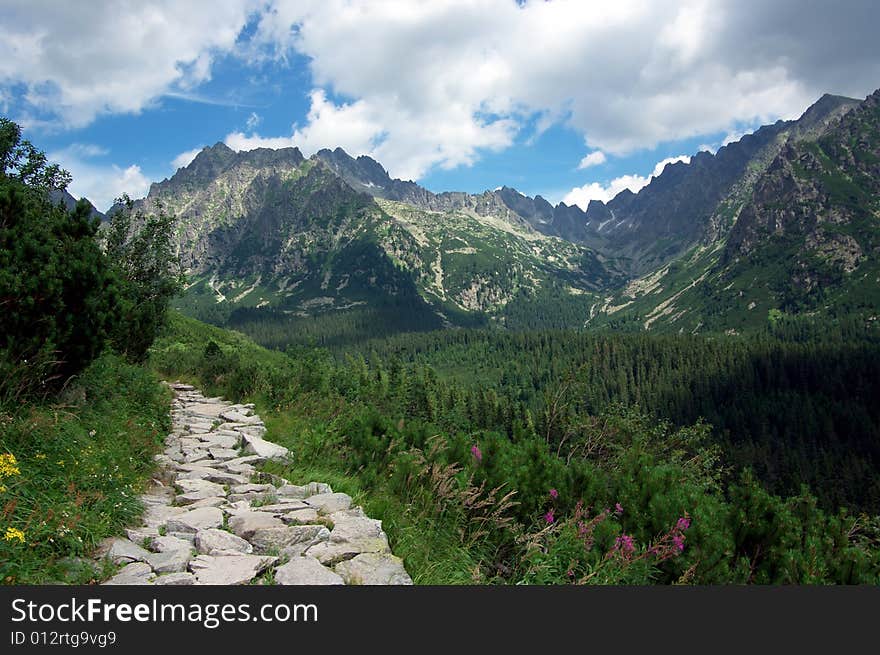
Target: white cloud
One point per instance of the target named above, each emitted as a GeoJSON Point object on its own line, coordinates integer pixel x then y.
{"type": "Point", "coordinates": [253, 121]}
{"type": "Point", "coordinates": [446, 138]}
{"type": "Point", "coordinates": [420, 85]}
{"type": "Point", "coordinates": [78, 60]}
{"type": "Point", "coordinates": [183, 159]}
{"type": "Point", "coordinates": [595, 158]}
{"type": "Point", "coordinates": [582, 195]}
{"type": "Point", "coordinates": [442, 81]}
{"type": "Point", "coordinates": [101, 183]}
{"type": "Point", "coordinates": [660, 165]}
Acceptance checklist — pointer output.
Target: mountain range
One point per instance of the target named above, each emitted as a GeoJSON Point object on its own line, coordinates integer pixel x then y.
{"type": "Point", "coordinates": [784, 220]}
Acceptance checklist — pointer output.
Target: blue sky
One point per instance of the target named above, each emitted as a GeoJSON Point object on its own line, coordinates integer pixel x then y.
{"type": "Point", "coordinates": [459, 95]}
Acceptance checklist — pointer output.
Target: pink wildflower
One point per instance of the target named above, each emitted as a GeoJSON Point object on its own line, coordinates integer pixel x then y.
{"type": "Point", "coordinates": [678, 541]}
{"type": "Point", "coordinates": [549, 516]}
{"type": "Point", "coordinates": [618, 509]}
{"type": "Point", "coordinates": [625, 543]}
{"type": "Point", "coordinates": [683, 523]}
{"type": "Point", "coordinates": [475, 451]}
{"type": "Point", "coordinates": [554, 494]}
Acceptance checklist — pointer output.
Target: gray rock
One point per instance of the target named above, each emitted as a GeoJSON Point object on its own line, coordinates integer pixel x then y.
{"type": "Point", "coordinates": [211, 540]}
{"type": "Point", "coordinates": [207, 464]}
{"type": "Point", "coordinates": [136, 573]}
{"type": "Point", "coordinates": [206, 408]}
{"type": "Point", "coordinates": [288, 539]}
{"type": "Point", "coordinates": [139, 535]}
{"type": "Point", "coordinates": [244, 524]}
{"type": "Point", "coordinates": [200, 473]}
{"type": "Point", "coordinates": [306, 571]}
{"type": "Point", "coordinates": [246, 459]}
{"type": "Point", "coordinates": [299, 517]}
{"type": "Point", "coordinates": [232, 416]}
{"type": "Point", "coordinates": [220, 453]}
{"type": "Point", "coordinates": [195, 520]}
{"type": "Point", "coordinates": [257, 446]}
{"type": "Point", "coordinates": [221, 441]}
{"type": "Point", "coordinates": [207, 502]}
{"type": "Point", "coordinates": [259, 488]}
{"type": "Point", "coordinates": [172, 561]}
{"type": "Point", "coordinates": [123, 551]}
{"type": "Point", "coordinates": [156, 516]}
{"type": "Point", "coordinates": [226, 477]}
{"type": "Point", "coordinates": [200, 486]}
{"type": "Point", "coordinates": [169, 543]}
{"type": "Point", "coordinates": [374, 569]}
{"type": "Point", "coordinates": [229, 569]}
{"type": "Point", "coordinates": [282, 507]}
{"type": "Point", "coordinates": [329, 503]}
{"type": "Point", "coordinates": [189, 537]}
{"type": "Point", "coordinates": [183, 578]}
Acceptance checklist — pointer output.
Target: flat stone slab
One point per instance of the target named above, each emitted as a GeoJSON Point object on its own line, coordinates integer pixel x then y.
{"type": "Point", "coordinates": [211, 540]}
{"type": "Point", "coordinates": [221, 441]}
{"type": "Point", "coordinates": [158, 515]}
{"type": "Point", "coordinates": [374, 569]}
{"type": "Point", "coordinates": [329, 503]}
{"type": "Point", "coordinates": [195, 520]}
{"type": "Point", "coordinates": [220, 453]}
{"type": "Point", "coordinates": [136, 573]}
{"type": "Point", "coordinates": [232, 416]}
{"type": "Point", "coordinates": [123, 551]}
{"type": "Point", "coordinates": [172, 561]}
{"type": "Point", "coordinates": [184, 578]}
{"type": "Point", "coordinates": [288, 539]}
{"type": "Point", "coordinates": [244, 524]}
{"type": "Point", "coordinates": [257, 446]}
{"type": "Point", "coordinates": [207, 409]}
{"type": "Point", "coordinates": [168, 543]}
{"type": "Point", "coordinates": [301, 516]}
{"type": "Point", "coordinates": [138, 535]}
{"type": "Point", "coordinates": [200, 486]}
{"type": "Point", "coordinates": [227, 477]}
{"type": "Point", "coordinates": [306, 571]}
{"type": "Point", "coordinates": [229, 569]}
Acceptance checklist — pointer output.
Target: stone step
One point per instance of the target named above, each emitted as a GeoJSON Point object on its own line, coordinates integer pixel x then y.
{"type": "Point", "coordinates": [212, 518]}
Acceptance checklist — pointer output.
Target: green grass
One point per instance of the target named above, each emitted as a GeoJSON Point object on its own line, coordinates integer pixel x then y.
{"type": "Point", "coordinates": [307, 424]}
{"type": "Point", "coordinates": [81, 468]}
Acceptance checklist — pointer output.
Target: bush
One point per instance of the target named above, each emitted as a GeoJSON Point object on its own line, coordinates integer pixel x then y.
{"type": "Point", "coordinates": [57, 294]}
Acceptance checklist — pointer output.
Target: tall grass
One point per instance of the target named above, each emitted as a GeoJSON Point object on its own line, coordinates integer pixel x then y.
{"type": "Point", "coordinates": [79, 467]}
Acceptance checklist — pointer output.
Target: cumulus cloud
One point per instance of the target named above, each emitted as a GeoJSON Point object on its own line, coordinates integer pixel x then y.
{"type": "Point", "coordinates": [420, 85]}
{"type": "Point", "coordinates": [78, 60]}
{"type": "Point", "coordinates": [444, 80]}
{"type": "Point", "coordinates": [582, 195]}
{"type": "Point", "coordinates": [595, 158]}
{"type": "Point", "coordinates": [183, 159]}
{"type": "Point", "coordinates": [408, 149]}
{"type": "Point", "coordinates": [100, 182]}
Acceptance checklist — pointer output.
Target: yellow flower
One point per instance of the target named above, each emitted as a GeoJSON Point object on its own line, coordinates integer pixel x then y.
{"type": "Point", "coordinates": [2, 488]}
{"type": "Point", "coordinates": [13, 534]}
{"type": "Point", "coordinates": [40, 456]}
{"type": "Point", "coordinates": [60, 462]}
{"type": "Point", "coordinates": [8, 465]}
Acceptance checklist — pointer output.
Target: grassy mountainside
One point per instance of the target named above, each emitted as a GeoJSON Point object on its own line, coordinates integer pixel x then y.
{"type": "Point", "coordinates": [473, 486]}
{"type": "Point", "coordinates": [805, 241]}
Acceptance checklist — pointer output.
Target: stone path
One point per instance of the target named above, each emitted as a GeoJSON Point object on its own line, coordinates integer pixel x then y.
{"type": "Point", "coordinates": [212, 518]}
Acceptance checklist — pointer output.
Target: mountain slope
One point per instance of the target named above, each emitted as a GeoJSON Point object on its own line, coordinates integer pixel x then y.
{"type": "Point", "coordinates": [271, 231]}
{"type": "Point", "coordinates": [805, 239]}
